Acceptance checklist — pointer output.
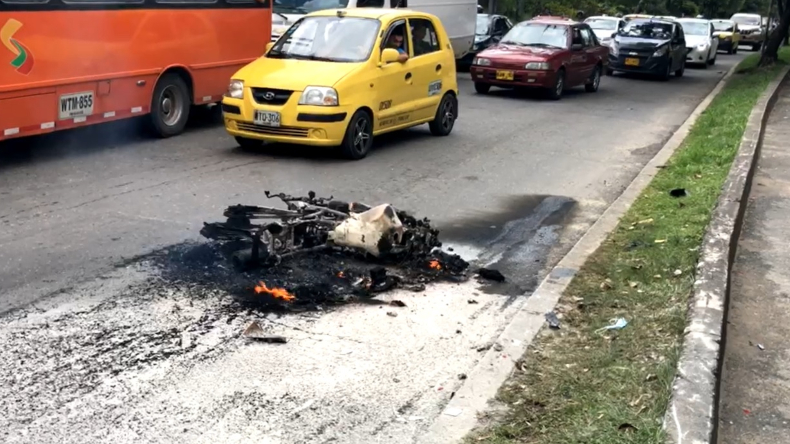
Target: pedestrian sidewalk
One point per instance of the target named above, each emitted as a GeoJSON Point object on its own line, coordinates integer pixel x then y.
{"type": "Point", "coordinates": [755, 392]}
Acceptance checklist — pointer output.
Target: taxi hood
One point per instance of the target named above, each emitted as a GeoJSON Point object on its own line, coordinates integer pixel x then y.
{"type": "Point", "coordinates": [639, 43]}
{"type": "Point", "coordinates": [520, 53]}
{"type": "Point", "coordinates": [294, 74]}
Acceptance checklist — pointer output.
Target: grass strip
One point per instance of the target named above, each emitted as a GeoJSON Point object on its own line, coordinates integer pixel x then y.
{"type": "Point", "coordinates": [580, 385]}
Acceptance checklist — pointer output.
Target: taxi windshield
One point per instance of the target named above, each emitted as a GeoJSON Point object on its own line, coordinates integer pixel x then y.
{"type": "Point", "coordinates": [306, 6]}
{"type": "Point", "coordinates": [695, 28]}
{"type": "Point", "coordinates": [537, 34]}
{"type": "Point", "coordinates": [330, 39]}
{"type": "Point", "coordinates": [602, 24]}
{"type": "Point", "coordinates": [724, 26]}
{"type": "Point", "coordinates": [647, 30]}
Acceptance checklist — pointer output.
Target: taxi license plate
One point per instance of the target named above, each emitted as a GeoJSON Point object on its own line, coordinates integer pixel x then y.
{"type": "Point", "coordinates": [632, 62]}
{"type": "Point", "coordinates": [267, 118]}
{"type": "Point", "coordinates": [75, 105]}
{"type": "Point", "coordinates": [504, 75]}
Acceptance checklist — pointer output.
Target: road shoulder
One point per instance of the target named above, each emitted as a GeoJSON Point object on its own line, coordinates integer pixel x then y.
{"type": "Point", "coordinates": [609, 380]}
{"type": "Point", "coordinates": [755, 388]}
{"type": "Point", "coordinates": [463, 412]}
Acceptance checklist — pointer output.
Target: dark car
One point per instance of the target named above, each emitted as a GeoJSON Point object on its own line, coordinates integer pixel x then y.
{"type": "Point", "coordinates": [651, 46]}
{"type": "Point", "coordinates": [489, 30]}
{"type": "Point", "coordinates": [553, 53]}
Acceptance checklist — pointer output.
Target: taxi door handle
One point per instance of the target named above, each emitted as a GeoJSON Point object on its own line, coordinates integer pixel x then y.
{"type": "Point", "coordinates": [408, 76]}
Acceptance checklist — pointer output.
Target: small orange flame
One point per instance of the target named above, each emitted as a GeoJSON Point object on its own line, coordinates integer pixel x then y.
{"type": "Point", "coordinates": [340, 274]}
{"type": "Point", "coordinates": [277, 293]}
{"type": "Point", "coordinates": [435, 265]}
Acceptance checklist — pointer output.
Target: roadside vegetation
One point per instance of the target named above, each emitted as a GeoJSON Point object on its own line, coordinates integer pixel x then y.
{"type": "Point", "coordinates": [524, 9]}
{"type": "Point", "coordinates": [581, 385]}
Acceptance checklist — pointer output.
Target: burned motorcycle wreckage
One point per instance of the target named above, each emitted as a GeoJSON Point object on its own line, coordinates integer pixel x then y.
{"type": "Point", "coordinates": [381, 236]}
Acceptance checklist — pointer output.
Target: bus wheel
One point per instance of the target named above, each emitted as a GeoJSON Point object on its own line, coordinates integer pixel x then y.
{"type": "Point", "coordinates": [170, 105]}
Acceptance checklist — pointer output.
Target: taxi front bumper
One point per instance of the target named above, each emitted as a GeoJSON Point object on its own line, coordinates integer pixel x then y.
{"type": "Point", "coordinates": [299, 124]}
{"type": "Point", "coordinates": [725, 44]}
{"type": "Point", "coordinates": [513, 78]}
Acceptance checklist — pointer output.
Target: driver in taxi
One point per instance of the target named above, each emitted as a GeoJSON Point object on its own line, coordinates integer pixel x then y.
{"type": "Point", "coordinates": [396, 42]}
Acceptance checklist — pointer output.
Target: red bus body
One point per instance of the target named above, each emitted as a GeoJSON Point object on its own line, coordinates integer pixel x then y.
{"type": "Point", "coordinates": [71, 63]}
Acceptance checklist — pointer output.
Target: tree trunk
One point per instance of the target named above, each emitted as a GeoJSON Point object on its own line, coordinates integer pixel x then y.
{"type": "Point", "coordinates": [775, 39]}
{"type": "Point", "coordinates": [780, 7]}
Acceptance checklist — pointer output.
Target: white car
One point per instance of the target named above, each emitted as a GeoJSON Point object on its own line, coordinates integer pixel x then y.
{"type": "Point", "coordinates": [604, 26]}
{"type": "Point", "coordinates": [701, 43]}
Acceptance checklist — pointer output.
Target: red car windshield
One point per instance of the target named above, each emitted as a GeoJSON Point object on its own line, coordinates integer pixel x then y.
{"type": "Point", "coordinates": [537, 34]}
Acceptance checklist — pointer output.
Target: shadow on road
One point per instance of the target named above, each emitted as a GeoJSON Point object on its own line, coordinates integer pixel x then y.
{"type": "Point", "coordinates": [393, 140]}
{"type": "Point", "coordinates": [92, 139]}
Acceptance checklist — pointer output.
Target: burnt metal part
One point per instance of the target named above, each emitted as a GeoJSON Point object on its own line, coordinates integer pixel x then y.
{"type": "Point", "coordinates": [304, 225]}
{"type": "Point", "coordinates": [289, 248]}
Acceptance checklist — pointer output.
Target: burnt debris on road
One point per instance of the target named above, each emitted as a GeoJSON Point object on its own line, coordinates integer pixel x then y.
{"type": "Point", "coordinates": [325, 251]}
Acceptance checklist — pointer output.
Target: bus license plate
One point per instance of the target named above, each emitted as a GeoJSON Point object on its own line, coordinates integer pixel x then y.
{"type": "Point", "coordinates": [76, 105]}
{"type": "Point", "coordinates": [267, 118]}
{"type": "Point", "coordinates": [632, 62]}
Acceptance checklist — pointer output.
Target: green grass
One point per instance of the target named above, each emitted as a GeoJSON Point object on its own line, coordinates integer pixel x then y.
{"type": "Point", "coordinates": [578, 386]}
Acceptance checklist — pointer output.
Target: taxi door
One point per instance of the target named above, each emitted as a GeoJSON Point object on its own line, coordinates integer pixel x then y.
{"type": "Point", "coordinates": [395, 87]}
{"type": "Point", "coordinates": [579, 59]}
{"type": "Point", "coordinates": [430, 64]}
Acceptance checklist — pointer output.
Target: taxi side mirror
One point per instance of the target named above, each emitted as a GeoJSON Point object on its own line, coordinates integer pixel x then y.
{"type": "Point", "coordinates": [389, 55]}
{"type": "Point", "coordinates": [576, 47]}
{"type": "Point", "coordinates": [268, 47]}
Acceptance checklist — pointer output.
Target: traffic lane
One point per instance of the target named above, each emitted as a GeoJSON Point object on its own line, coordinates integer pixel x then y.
{"type": "Point", "coordinates": [71, 210]}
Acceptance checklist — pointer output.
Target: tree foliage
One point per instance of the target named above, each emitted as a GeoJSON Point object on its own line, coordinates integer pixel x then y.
{"type": "Point", "coordinates": [524, 9]}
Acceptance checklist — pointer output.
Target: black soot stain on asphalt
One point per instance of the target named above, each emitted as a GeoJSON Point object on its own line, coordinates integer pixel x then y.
{"type": "Point", "coordinates": [517, 240]}
{"type": "Point", "coordinates": [316, 281]}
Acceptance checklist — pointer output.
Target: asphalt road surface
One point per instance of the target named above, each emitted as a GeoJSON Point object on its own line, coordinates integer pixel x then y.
{"type": "Point", "coordinates": [95, 351]}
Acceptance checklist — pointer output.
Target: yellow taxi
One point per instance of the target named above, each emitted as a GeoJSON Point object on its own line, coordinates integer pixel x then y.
{"type": "Point", "coordinates": [337, 78]}
{"type": "Point", "coordinates": [728, 34]}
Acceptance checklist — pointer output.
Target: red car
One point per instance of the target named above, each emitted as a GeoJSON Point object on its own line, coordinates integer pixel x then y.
{"type": "Point", "coordinates": [554, 53]}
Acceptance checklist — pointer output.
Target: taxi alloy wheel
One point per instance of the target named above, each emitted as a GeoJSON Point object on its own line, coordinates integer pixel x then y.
{"type": "Point", "coordinates": [595, 80]}
{"type": "Point", "coordinates": [668, 71]}
{"type": "Point", "coordinates": [482, 88]}
{"type": "Point", "coordinates": [555, 93]}
{"type": "Point", "coordinates": [681, 70]}
{"type": "Point", "coordinates": [444, 120]}
{"type": "Point", "coordinates": [359, 136]}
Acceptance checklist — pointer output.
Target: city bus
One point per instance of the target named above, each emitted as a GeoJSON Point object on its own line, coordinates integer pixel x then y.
{"type": "Point", "coordinates": [72, 63]}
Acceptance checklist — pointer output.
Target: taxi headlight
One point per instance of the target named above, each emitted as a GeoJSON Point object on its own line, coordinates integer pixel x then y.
{"type": "Point", "coordinates": [319, 96]}
{"type": "Point", "coordinates": [660, 51]}
{"type": "Point", "coordinates": [537, 65]}
{"type": "Point", "coordinates": [236, 89]}
{"type": "Point", "coordinates": [614, 49]}
{"type": "Point", "coordinates": [702, 46]}
{"type": "Point", "coordinates": [481, 62]}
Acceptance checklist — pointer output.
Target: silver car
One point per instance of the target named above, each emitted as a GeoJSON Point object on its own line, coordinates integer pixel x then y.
{"type": "Point", "coordinates": [701, 42]}
{"type": "Point", "coordinates": [604, 27]}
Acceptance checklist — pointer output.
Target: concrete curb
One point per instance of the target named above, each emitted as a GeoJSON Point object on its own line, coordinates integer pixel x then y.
{"type": "Point", "coordinates": [460, 415]}
{"type": "Point", "coordinates": [692, 416]}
